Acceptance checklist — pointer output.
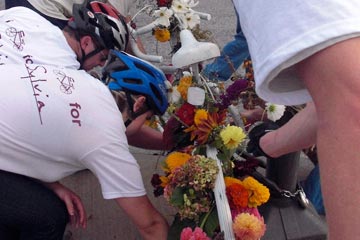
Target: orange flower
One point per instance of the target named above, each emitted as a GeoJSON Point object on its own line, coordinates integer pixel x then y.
{"type": "Point", "coordinates": [200, 115]}
{"type": "Point", "coordinates": [184, 84]}
{"type": "Point", "coordinates": [238, 196]}
{"type": "Point", "coordinates": [174, 160]}
{"type": "Point", "coordinates": [205, 128]}
{"type": "Point", "coordinates": [162, 34]}
{"type": "Point", "coordinates": [248, 227]}
{"type": "Point", "coordinates": [164, 181]}
{"type": "Point", "coordinates": [230, 180]}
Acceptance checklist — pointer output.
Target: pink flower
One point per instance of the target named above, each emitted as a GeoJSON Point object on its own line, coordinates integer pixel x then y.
{"type": "Point", "coordinates": [248, 227]}
{"type": "Point", "coordinates": [197, 234]}
{"type": "Point", "coordinates": [250, 210]}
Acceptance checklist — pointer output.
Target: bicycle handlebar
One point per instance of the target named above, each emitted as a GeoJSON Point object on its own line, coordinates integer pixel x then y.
{"type": "Point", "coordinates": [135, 48]}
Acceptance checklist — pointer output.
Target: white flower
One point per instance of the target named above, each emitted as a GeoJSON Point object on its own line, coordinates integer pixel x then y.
{"type": "Point", "coordinates": [274, 112]}
{"type": "Point", "coordinates": [163, 15]}
{"type": "Point", "coordinates": [174, 96]}
{"type": "Point", "coordinates": [189, 20]}
{"type": "Point", "coordinates": [179, 6]}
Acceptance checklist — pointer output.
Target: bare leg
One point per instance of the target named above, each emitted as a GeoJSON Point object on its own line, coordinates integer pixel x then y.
{"type": "Point", "coordinates": [333, 79]}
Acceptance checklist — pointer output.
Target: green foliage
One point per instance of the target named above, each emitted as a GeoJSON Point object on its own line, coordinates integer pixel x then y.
{"type": "Point", "coordinates": [209, 222]}
{"type": "Point", "coordinates": [177, 198]}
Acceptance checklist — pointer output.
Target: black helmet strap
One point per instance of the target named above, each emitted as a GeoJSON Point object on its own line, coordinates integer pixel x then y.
{"type": "Point", "coordinates": [84, 56]}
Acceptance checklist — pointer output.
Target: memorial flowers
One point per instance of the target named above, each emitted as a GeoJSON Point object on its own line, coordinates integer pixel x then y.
{"type": "Point", "coordinates": [188, 177]}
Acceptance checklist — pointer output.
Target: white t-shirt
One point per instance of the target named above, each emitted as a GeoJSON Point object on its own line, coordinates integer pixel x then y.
{"type": "Point", "coordinates": [281, 33]}
{"type": "Point", "coordinates": [26, 37]}
{"type": "Point", "coordinates": [55, 122]}
{"type": "Point", "coordinates": [62, 9]}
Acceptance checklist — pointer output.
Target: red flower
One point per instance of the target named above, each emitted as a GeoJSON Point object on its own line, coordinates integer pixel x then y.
{"type": "Point", "coordinates": [186, 114]}
{"type": "Point", "coordinates": [163, 3]}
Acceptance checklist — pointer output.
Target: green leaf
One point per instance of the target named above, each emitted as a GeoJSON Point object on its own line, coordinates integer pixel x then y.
{"type": "Point", "coordinates": [178, 225]}
{"type": "Point", "coordinates": [212, 222]}
{"type": "Point", "coordinates": [177, 198]}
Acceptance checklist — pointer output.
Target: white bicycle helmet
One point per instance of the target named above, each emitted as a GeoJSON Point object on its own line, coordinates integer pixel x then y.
{"type": "Point", "coordinates": [101, 21]}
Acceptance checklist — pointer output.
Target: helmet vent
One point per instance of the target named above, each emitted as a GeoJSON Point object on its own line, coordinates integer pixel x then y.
{"type": "Point", "coordinates": [156, 93]}
{"type": "Point", "coordinates": [112, 24]}
{"type": "Point", "coordinates": [145, 69]}
{"type": "Point", "coordinates": [133, 81]}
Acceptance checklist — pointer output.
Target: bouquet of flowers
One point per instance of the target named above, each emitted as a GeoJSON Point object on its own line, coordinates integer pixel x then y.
{"type": "Point", "coordinates": [199, 118]}
{"type": "Point", "coordinates": [187, 185]}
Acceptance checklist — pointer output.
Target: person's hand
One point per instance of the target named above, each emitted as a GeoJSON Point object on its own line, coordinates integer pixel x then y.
{"type": "Point", "coordinates": [73, 204]}
{"type": "Point", "coordinates": [256, 132]}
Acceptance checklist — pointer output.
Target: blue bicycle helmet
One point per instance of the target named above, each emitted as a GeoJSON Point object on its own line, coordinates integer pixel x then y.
{"type": "Point", "coordinates": [132, 75]}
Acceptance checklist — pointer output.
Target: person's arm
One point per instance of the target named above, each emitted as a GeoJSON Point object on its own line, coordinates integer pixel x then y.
{"type": "Point", "coordinates": [72, 201]}
{"type": "Point", "coordinates": [150, 223]}
{"type": "Point", "coordinates": [142, 136]}
{"type": "Point", "coordinates": [147, 138]}
{"type": "Point", "coordinates": [297, 134]}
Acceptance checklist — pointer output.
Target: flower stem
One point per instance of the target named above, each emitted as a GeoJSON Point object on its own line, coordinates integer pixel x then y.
{"type": "Point", "coordinates": [206, 217]}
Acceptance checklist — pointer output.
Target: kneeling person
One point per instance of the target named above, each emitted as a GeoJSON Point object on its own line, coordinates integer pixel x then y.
{"type": "Point", "coordinates": [55, 122]}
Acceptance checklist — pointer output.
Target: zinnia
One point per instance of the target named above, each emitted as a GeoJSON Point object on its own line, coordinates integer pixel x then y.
{"type": "Point", "coordinates": [248, 227]}
{"type": "Point", "coordinates": [232, 136]}
{"type": "Point", "coordinates": [198, 234]}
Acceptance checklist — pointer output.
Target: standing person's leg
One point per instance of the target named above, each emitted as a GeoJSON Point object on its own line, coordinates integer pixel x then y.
{"type": "Point", "coordinates": [29, 210]}
{"type": "Point", "coordinates": [232, 56]}
{"type": "Point", "coordinates": [333, 79]}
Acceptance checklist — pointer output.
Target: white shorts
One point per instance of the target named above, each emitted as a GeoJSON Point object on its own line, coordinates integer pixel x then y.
{"type": "Point", "coordinates": [281, 33]}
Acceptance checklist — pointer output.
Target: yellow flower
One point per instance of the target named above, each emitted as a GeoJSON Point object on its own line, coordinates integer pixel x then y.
{"type": "Point", "coordinates": [258, 193]}
{"type": "Point", "coordinates": [232, 136]}
{"type": "Point", "coordinates": [162, 34]}
{"type": "Point", "coordinates": [230, 180]}
{"type": "Point", "coordinates": [164, 181]}
{"type": "Point", "coordinates": [184, 84]}
{"type": "Point", "coordinates": [248, 227]}
{"type": "Point", "coordinates": [153, 123]}
{"type": "Point", "coordinates": [174, 160]}
{"type": "Point", "coordinates": [200, 115]}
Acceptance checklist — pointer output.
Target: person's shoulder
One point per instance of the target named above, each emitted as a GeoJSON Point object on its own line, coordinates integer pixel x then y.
{"type": "Point", "coordinates": [24, 14]}
{"type": "Point", "coordinates": [19, 11]}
